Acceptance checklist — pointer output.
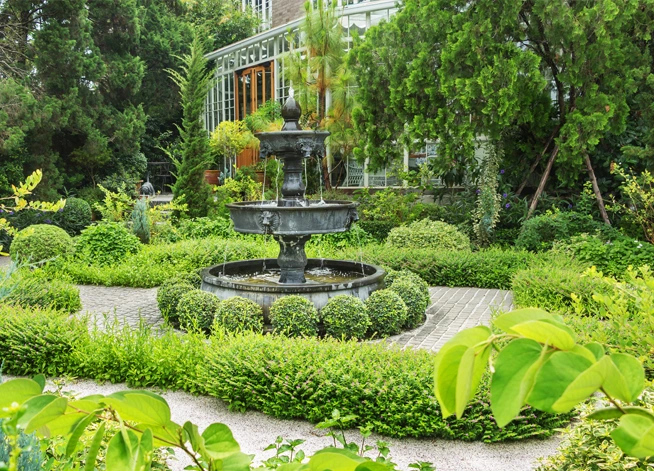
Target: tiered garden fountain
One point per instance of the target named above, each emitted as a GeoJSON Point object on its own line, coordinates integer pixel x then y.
{"type": "Point", "coordinates": [291, 220]}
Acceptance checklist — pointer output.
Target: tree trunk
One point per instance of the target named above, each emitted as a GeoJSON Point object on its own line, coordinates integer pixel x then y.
{"type": "Point", "coordinates": [537, 161]}
{"type": "Point", "coordinates": [596, 190]}
{"type": "Point", "coordinates": [543, 181]}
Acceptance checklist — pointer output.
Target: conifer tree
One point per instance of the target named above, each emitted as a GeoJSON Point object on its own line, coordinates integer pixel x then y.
{"type": "Point", "coordinates": [193, 83]}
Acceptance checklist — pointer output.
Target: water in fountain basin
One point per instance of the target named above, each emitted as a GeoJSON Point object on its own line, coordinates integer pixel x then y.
{"type": "Point", "coordinates": [313, 276]}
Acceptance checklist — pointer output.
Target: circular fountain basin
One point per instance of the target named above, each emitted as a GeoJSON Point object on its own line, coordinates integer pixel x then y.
{"type": "Point", "coordinates": [326, 278]}
{"type": "Point", "coordinates": [317, 217]}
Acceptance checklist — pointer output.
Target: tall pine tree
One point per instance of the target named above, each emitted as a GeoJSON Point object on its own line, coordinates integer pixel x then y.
{"type": "Point", "coordinates": [193, 83]}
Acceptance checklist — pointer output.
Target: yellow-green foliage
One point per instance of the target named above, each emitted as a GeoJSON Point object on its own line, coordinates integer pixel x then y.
{"type": "Point", "coordinates": [428, 234]}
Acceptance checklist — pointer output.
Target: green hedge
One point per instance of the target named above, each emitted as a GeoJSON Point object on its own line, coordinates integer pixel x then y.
{"type": "Point", "coordinates": [551, 287]}
{"type": "Point", "coordinates": [154, 264]}
{"type": "Point", "coordinates": [290, 378]}
{"type": "Point", "coordinates": [492, 268]}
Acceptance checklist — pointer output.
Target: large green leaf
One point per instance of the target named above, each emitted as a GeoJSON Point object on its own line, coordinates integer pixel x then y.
{"type": "Point", "coordinates": [120, 452]}
{"type": "Point", "coordinates": [625, 378]}
{"type": "Point", "coordinates": [453, 390]}
{"type": "Point", "coordinates": [596, 348]}
{"type": "Point", "coordinates": [162, 436]}
{"type": "Point", "coordinates": [446, 378]}
{"type": "Point", "coordinates": [554, 377]}
{"type": "Point", "coordinates": [140, 406]}
{"type": "Point", "coordinates": [515, 370]}
{"type": "Point", "coordinates": [334, 459]}
{"type": "Point", "coordinates": [583, 386]}
{"type": "Point", "coordinates": [608, 413]}
{"type": "Point", "coordinates": [519, 316]}
{"type": "Point", "coordinates": [94, 448]}
{"type": "Point", "coordinates": [635, 435]}
{"type": "Point", "coordinates": [235, 462]}
{"type": "Point", "coordinates": [79, 429]}
{"type": "Point", "coordinates": [547, 332]}
{"type": "Point", "coordinates": [17, 390]}
{"type": "Point", "coordinates": [219, 441]}
{"type": "Point", "coordinates": [40, 410]}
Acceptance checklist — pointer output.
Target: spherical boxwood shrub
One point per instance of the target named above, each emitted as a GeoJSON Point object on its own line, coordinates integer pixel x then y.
{"type": "Point", "coordinates": [168, 296]}
{"type": "Point", "coordinates": [294, 316]}
{"type": "Point", "coordinates": [106, 243]}
{"type": "Point", "coordinates": [41, 242]}
{"type": "Point", "coordinates": [196, 310]}
{"type": "Point", "coordinates": [387, 313]}
{"type": "Point", "coordinates": [238, 314]}
{"type": "Point", "coordinates": [428, 234]}
{"type": "Point", "coordinates": [345, 316]}
{"type": "Point", "coordinates": [413, 299]}
{"type": "Point", "coordinates": [393, 275]}
{"type": "Point", "coordinates": [74, 217]}
{"type": "Point", "coordinates": [191, 278]}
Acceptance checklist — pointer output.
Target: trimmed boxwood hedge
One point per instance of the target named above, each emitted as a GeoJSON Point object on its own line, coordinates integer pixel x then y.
{"type": "Point", "coordinates": [388, 388]}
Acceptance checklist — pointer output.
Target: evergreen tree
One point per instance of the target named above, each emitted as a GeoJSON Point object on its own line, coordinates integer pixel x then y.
{"type": "Point", "coordinates": [193, 83]}
{"type": "Point", "coordinates": [557, 76]}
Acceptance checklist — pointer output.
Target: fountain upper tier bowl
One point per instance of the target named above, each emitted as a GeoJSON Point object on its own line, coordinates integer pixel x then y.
{"type": "Point", "coordinates": [308, 217]}
{"type": "Point", "coordinates": [292, 143]}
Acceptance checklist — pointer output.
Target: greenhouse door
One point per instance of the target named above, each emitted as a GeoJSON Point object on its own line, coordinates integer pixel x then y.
{"type": "Point", "coordinates": [255, 87]}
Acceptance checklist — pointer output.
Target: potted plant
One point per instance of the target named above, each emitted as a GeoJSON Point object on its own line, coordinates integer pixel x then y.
{"type": "Point", "coordinates": [228, 140]}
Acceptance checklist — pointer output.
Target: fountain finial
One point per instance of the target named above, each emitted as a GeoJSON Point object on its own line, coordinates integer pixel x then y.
{"type": "Point", "coordinates": [291, 113]}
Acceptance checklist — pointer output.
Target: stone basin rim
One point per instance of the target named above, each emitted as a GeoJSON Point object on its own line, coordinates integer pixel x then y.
{"type": "Point", "coordinates": [374, 274]}
{"type": "Point", "coordinates": [258, 206]}
{"type": "Point", "coordinates": [291, 133]}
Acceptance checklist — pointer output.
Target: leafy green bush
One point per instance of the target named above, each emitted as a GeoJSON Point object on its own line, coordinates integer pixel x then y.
{"type": "Point", "coordinates": [540, 233]}
{"type": "Point", "coordinates": [428, 234]}
{"type": "Point", "coordinates": [589, 446]}
{"type": "Point", "coordinates": [106, 243]}
{"type": "Point", "coordinates": [74, 217]}
{"type": "Point", "coordinates": [394, 275]}
{"type": "Point", "coordinates": [37, 291]}
{"type": "Point", "coordinates": [386, 388]}
{"type": "Point", "coordinates": [201, 228]}
{"type": "Point", "coordinates": [40, 243]}
{"type": "Point", "coordinates": [294, 316]}
{"type": "Point", "coordinates": [345, 316]}
{"type": "Point", "coordinates": [612, 257]}
{"type": "Point", "coordinates": [168, 296]}
{"type": "Point", "coordinates": [378, 230]}
{"type": "Point", "coordinates": [34, 340]}
{"type": "Point", "coordinates": [238, 314]}
{"type": "Point", "coordinates": [154, 264]}
{"type": "Point", "coordinates": [556, 287]}
{"type": "Point", "coordinates": [490, 268]}
{"type": "Point", "coordinates": [387, 313]}
{"type": "Point", "coordinates": [619, 315]}
{"type": "Point", "coordinates": [414, 301]}
{"type": "Point", "coordinates": [196, 310]}
{"type": "Point", "coordinates": [192, 278]}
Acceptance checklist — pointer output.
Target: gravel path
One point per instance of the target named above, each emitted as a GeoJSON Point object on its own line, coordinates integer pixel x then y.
{"type": "Point", "coordinates": [254, 431]}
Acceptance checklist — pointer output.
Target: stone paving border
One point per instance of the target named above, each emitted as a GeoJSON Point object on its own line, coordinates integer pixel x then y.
{"type": "Point", "coordinates": [451, 310]}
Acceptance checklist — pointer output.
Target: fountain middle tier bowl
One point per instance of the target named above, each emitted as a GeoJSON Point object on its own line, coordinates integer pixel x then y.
{"type": "Point", "coordinates": [326, 278]}
{"type": "Point", "coordinates": [317, 217]}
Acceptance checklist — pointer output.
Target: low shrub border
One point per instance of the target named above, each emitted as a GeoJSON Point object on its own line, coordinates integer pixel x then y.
{"type": "Point", "coordinates": [385, 387]}
{"type": "Point", "coordinates": [492, 268]}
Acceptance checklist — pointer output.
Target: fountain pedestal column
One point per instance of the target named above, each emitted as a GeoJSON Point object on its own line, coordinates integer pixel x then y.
{"type": "Point", "coordinates": [292, 259]}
